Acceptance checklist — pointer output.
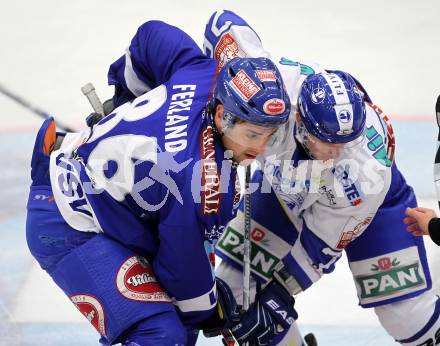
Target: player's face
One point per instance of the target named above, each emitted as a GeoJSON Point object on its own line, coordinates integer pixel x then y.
{"type": "Point", "coordinates": [245, 140]}
{"type": "Point", "coordinates": [320, 150]}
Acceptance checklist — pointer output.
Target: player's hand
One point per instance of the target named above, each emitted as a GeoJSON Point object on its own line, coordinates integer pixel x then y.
{"type": "Point", "coordinates": [418, 219]}
{"type": "Point", "coordinates": [271, 313]}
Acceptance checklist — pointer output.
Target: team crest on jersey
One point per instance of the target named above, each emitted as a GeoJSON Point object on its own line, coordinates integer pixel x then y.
{"type": "Point", "coordinates": [92, 309]}
{"type": "Point", "coordinates": [274, 106]}
{"type": "Point", "coordinates": [135, 281]}
{"type": "Point", "coordinates": [226, 49]}
{"type": "Point", "coordinates": [266, 75]}
{"type": "Point", "coordinates": [244, 86]}
{"type": "Point", "coordinates": [210, 177]}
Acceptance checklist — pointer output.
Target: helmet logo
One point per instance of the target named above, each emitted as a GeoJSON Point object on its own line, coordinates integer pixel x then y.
{"type": "Point", "coordinates": [344, 116]}
{"type": "Point", "coordinates": [267, 75]}
{"type": "Point", "coordinates": [274, 107]}
{"type": "Point", "coordinates": [318, 95]}
{"type": "Point", "coordinates": [244, 86]}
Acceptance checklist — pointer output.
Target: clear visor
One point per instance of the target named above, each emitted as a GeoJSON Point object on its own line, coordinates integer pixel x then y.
{"type": "Point", "coordinates": [272, 136]}
{"type": "Point", "coordinates": [320, 150]}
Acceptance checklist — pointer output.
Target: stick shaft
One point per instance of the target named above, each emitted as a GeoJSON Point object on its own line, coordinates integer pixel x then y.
{"type": "Point", "coordinates": [247, 242]}
{"type": "Point", "coordinates": [29, 106]}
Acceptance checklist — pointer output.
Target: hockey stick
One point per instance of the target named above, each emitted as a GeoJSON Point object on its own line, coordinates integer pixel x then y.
{"type": "Point", "coordinates": [89, 91]}
{"type": "Point", "coordinates": [437, 155]}
{"type": "Point", "coordinates": [26, 104]}
{"type": "Point", "coordinates": [247, 243]}
{"type": "Point", "coordinates": [228, 338]}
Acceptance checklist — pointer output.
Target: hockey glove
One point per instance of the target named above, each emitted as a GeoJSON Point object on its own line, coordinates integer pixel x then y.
{"type": "Point", "coordinates": [227, 314]}
{"type": "Point", "coordinates": [271, 313]}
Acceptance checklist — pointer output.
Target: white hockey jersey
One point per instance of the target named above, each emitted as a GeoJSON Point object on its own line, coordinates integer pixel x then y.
{"type": "Point", "coordinates": [328, 204]}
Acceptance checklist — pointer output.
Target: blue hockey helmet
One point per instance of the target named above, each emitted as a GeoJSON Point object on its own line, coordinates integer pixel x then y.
{"type": "Point", "coordinates": [252, 90]}
{"type": "Point", "coordinates": [332, 107]}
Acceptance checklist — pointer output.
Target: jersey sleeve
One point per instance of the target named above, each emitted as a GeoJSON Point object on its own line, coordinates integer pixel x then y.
{"type": "Point", "coordinates": [183, 266]}
{"type": "Point", "coordinates": [182, 262]}
{"type": "Point", "coordinates": [227, 36]}
{"type": "Point", "coordinates": [155, 53]}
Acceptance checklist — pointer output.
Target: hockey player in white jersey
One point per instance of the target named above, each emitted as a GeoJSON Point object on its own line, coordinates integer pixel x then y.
{"type": "Point", "coordinates": [333, 186]}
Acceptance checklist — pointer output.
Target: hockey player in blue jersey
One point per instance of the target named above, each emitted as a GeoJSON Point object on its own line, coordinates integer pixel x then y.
{"type": "Point", "coordinates": [137, 202]}
{"type": "Point", "coordinates": [331, 186]}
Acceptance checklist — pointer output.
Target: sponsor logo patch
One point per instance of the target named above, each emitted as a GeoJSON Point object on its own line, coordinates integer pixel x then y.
{"type": "Point", "coordinates": [274, 106]}
{"type": "Point", "coordinates": [262, 261]}
{"type": "Point", "coordinates": [266, 75]}
{"type": "Point", "coordinates": [226, 49]}
{"type": "Point", "coordinates": [92, 309]}
{"type": "Point", "coordinates": [210, 176]}
{"type": "Point", "coordinates": [257, 234]}
{"type": "Point", "coordinates": [135, 281]}
{"type": "Point", "coordinates": [350, 187]}
{"type": "Point", "coordinates": [389, 277]}
{"type": "Point", "coordinates": [244, 85]}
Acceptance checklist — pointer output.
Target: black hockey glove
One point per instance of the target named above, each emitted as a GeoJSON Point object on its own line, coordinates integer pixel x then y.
{"type": "Point", "coordinates": [94, 118]}
{"type": "Point", "coordinates": [271, 313]}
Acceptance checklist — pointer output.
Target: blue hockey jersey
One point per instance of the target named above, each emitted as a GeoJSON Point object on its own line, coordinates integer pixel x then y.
{"type": "Point", "coordinates": [151, 175]}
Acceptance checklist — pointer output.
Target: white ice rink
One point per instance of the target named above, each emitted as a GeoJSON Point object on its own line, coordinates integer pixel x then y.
{"type": "Point", "coordinates": [49, 49]}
